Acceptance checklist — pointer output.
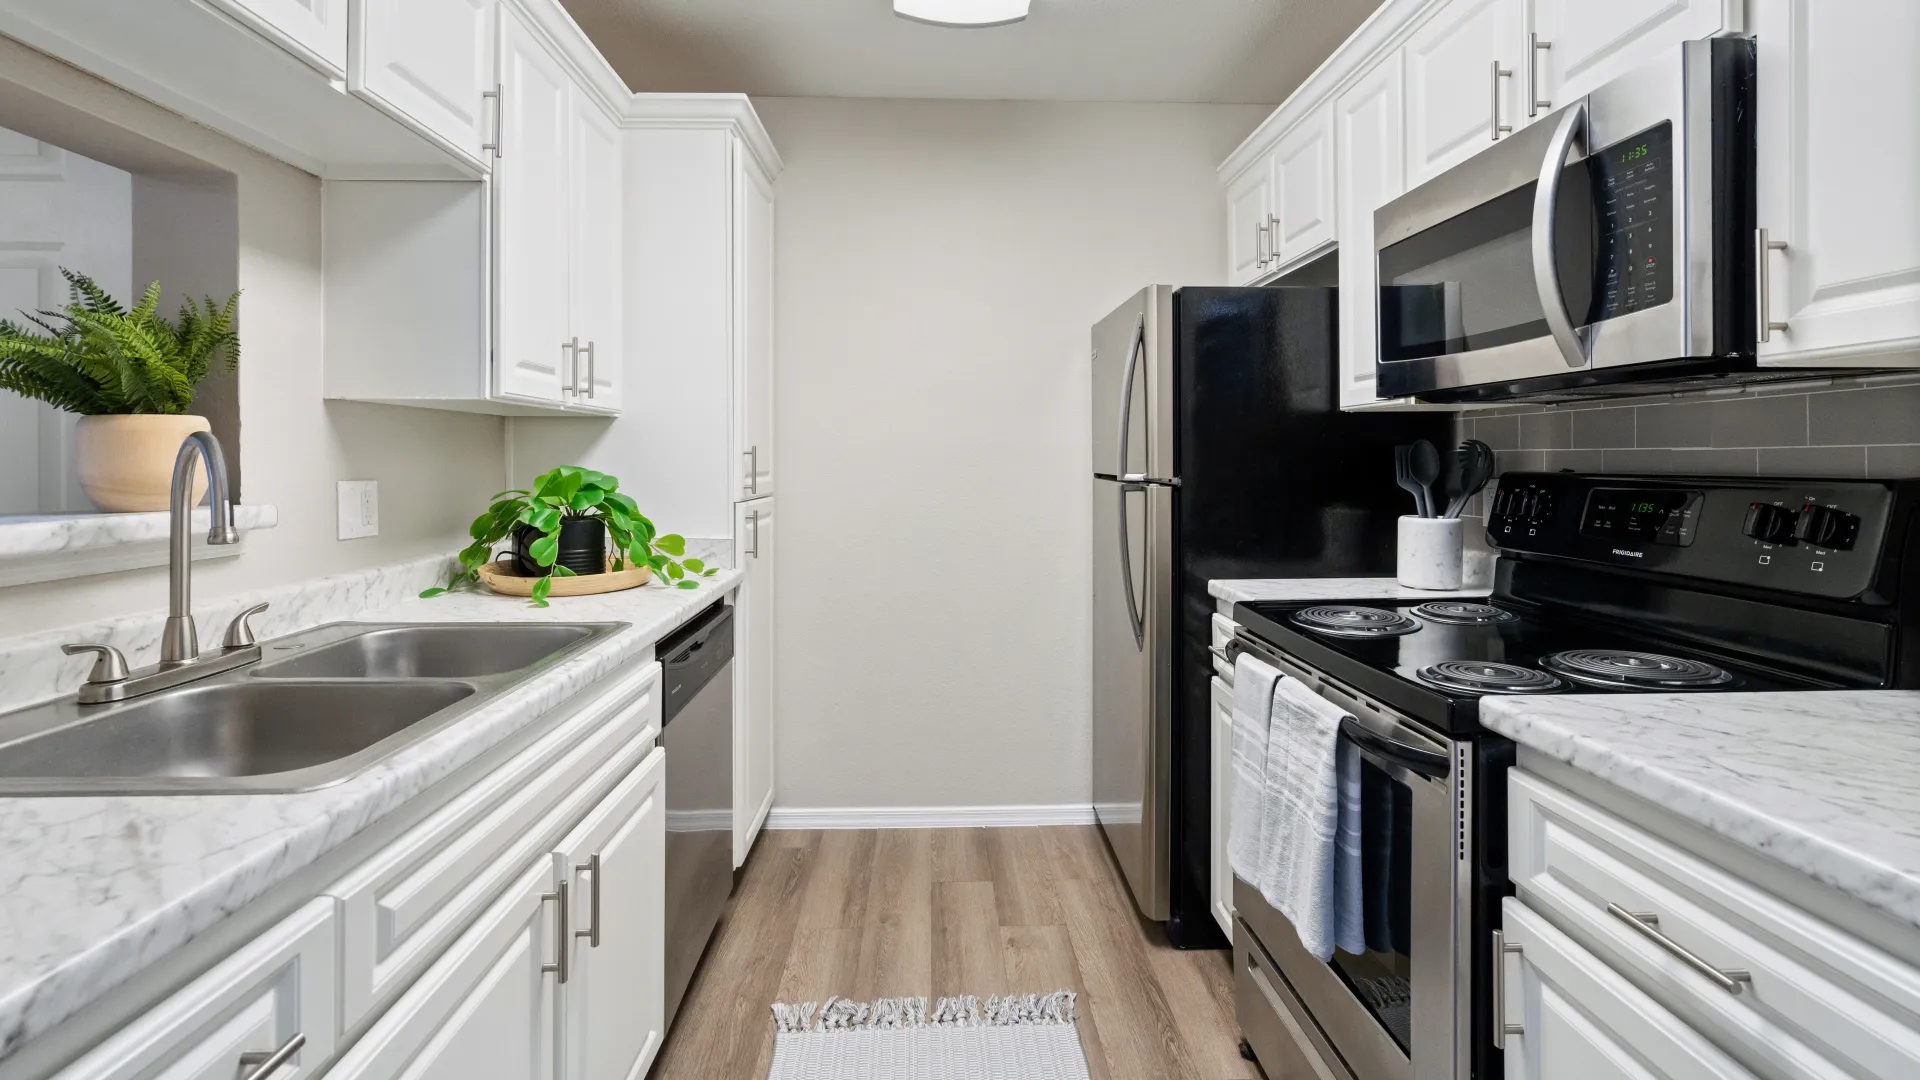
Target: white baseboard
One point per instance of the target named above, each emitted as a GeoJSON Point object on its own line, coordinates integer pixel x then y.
{"type": "Point", "coordinates": [927, 817]}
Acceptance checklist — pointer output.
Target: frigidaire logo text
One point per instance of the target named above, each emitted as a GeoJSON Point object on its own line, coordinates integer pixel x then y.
{"type": "Point", "coordinates": [1630, 554]}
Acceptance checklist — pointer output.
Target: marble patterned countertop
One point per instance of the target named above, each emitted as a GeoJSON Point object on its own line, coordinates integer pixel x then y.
{"type": "Point", "coordinates": [92, 888]}
{"type": "Point", "coordinates": [1332, 588]}
{"type": "Point", "coordinates": [1823, 782]}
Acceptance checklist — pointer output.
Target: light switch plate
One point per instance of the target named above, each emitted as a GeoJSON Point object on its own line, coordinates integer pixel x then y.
{"type": "Point", "coordinates": [359, 509]}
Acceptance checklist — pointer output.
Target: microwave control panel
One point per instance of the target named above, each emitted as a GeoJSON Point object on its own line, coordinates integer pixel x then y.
{"type": "Point", "coordinates": [1633, 192]}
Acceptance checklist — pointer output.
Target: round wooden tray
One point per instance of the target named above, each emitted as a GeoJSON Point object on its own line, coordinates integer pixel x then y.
{"type": "Point", "coordinates": [502, 578]}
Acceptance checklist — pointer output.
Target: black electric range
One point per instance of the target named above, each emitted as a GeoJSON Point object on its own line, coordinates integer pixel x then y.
{"type": "Point", "coordinates": [1604, 585]}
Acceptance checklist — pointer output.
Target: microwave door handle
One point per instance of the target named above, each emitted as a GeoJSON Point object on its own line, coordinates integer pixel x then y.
{"type": "Point", "coordinates": [1415, 759]}
{"type": "Point", "coordinates": [1546, 271]}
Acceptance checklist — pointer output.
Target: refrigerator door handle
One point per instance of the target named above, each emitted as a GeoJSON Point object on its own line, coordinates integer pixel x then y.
{"type": "Point", "coordinates": [1137, 617]}
{"type": "Point", "coordinates": [1126, 410]}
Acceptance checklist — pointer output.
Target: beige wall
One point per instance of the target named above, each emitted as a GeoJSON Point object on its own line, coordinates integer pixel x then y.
{"type": "Point", "coordinates": [435, 469]}
{"type": "Point", "coordinates": [940, 265]}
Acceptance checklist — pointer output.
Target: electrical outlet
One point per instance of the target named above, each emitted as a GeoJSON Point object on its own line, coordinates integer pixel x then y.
{"type": "Point", "coordinates": [359, 509]}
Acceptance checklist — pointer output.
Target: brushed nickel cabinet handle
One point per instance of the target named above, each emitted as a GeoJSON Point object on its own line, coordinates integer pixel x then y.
{"type": "Point", "coordinates": [499, 108]}
{"type": "Point", "coordinates": [752, 454]}
{"type": "Point", "coordinates": [1499, 128]}
{"type": "Point", "coordinates": [753, 523]}
{"type": "Point", "coordinates": [563, 939]}
{"type": "Point", "coordinates": [1261, 237]}
{"type": "Point", "coordinates": [592, 367]}
{"type": "Point", "coordinates": [1728, 979]}
{"type": "Point", "coordinates": [591, 933]}
{"type": "Point", "coordinates": [1534, 101]}
{"type": "Point", "coordinates": [1763, 282]}
{"type": "Point", "coordinates": [1498, 982]}
{"type": "Point", "coordinates": [264, 1063]}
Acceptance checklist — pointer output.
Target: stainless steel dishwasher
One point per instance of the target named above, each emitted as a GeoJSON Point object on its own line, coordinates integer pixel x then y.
{"type": "Point", "coordinates": [697, 732]}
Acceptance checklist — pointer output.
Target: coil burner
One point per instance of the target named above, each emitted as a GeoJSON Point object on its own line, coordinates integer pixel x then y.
{"type": "Point", "coordinates": [1345, 620]}
{"type": "Point", "coordinates": [1622, 670]}
{"type": "Point", "coordinates": [1463, 613]}
{"type": "Point", "coordinates": [1480, 677]}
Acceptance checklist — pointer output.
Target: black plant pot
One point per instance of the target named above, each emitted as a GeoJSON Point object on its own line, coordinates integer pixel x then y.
{"type": "Point", "coordinates": [583, 547]}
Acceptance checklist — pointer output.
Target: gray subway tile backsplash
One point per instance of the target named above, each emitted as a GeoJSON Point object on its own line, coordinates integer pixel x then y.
{"type": "Point", "coordinates": [1675, 424]}
{"type": "Point", "coordinates": [1546, 431]}
{"type": "Point", "coordinates": [1893, 462]}
{"type": "Point", "coordinates": [1836, 461]}
{"type": "Point", "coordinates": [1711, 462]}
{"type": "Point", "coordinates": [1595, 429]}
{"type": "Point", "coordinates": [1759, 421]}
{"type": "Point", "coordinates": [1632, 460]}
{"type": "Point", "coordinates": [1879, 416]}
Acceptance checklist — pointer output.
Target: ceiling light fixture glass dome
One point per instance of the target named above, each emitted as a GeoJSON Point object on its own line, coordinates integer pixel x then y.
{"type": "Point", "coordinates": [965, 13]}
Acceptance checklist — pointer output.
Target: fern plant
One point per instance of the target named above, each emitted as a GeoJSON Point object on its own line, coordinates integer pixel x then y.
{"type": "Point", "coordinates": [94, 357]}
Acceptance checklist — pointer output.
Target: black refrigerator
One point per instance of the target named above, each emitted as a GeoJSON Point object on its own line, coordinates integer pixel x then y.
{"type": "Point", "coordinates": [1219, 451]}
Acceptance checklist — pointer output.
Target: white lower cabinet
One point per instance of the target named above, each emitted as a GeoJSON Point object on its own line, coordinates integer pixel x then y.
{"type": "Point", "coordinates": [1220, 871]}
{"type": "Point", "coordinates": [614, 999]}
{"type": "Point", "coordinates": [1569, 1016]}
{"type": "Point", "coordinates": [278, 989]}
{"type": "Point", "coordinates": [753, 709]}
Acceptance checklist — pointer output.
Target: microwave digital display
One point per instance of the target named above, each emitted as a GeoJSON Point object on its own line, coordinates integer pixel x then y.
{"type": "Point", "coordinates": [1633, 222]}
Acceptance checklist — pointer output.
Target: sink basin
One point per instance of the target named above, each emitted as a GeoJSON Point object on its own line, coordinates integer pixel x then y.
{"type": "Point", "coordinates": [227, 730]}
{"type": "Point", "coordinates": [452, 651]}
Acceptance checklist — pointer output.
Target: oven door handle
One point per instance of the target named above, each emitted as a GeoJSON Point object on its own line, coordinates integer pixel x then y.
{"type": "Point", "coordinates": [1415, 759]}
{"type": "Point", "coordinates": [1574, 346]}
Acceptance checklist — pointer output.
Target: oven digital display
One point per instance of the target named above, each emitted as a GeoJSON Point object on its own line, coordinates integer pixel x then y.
{"type": "Point", "coordinates": [1633, 224]}
{"type": "Point", "coordinates": [1630, 516]}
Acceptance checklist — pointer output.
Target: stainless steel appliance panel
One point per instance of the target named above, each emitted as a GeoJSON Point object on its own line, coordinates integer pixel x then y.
{"type": "Point", "coordinates": [1133, 639]}
{"type": "Point", "coordinates": [1133, 387]}
{"type": "Point", "coordinates": [697, 733]}
{"type": "Point", "coordinates": [1274, 1022]}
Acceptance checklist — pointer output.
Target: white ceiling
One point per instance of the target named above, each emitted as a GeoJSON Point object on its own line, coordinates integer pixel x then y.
{"type": "Point", "coordinates": [1242, 51]}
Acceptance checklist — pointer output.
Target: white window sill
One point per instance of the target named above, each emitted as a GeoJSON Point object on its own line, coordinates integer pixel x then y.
{"type": "Point", "coordinates": [49, 547]}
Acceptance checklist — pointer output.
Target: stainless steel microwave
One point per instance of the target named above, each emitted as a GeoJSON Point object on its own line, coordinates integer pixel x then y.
{"type": "Point", "coordinates": [1610, 242]}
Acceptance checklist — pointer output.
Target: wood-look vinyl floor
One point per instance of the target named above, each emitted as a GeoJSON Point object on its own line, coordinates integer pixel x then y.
{"type": "Point", "coordinates": [931, 912]}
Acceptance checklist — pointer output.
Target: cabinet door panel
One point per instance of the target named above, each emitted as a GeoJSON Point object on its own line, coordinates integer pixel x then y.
{"type": "Point", "coordinates": [314, 30]}
{"type": "Point", "coordinates": [430, 63]}
{"type": "Point", "coordinates": [485, 1008]}
{"type": "Point", "coordinates": [1451, 95]}
{"type": "Point", "coordinates": [1591, 43]}
{"type": "Point", "coordinates": [754, 210]}
{"type": "Point", "coordinates": [1249, 221]}
{"type": "Point", "coordinates": [754, 697]}
{"type": "Point", "coordinates": [1303, 188]}
{"type": "Point", "coordinates": [595, 255]}
{"type": "Point", "coordinates": [533, 355]}
{"type": "Point", "coordinates": [1838, 168]}
{"type": "Point", "coordinates": [1578, 1019]}
{"type": "Point", "coordinates": [615, 993]}
{"type": "Point", "coordinates": [1370, 132]}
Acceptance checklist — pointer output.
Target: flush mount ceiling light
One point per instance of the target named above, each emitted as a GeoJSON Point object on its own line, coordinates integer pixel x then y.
{"type": "Point", "coordinates": [966, 13]}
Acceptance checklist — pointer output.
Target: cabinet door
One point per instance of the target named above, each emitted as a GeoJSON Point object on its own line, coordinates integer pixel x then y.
{"type": "Point", "coordinates": [1585, 44]}
{"type": "Point", "coordinates": [755, 545]}
{"type": "Point", "coordinates": [1370, 133]}
{"type": "Point", "coordinates": [533, 350]}
{"type": "Point", "coordinates": [278, 986]}
{"type": "Point", "coordinates": [1303, 192]}
{"type": "Point", "coordinates": [313, 30]}
{"type": "Point", "coordinates": [614, 998]}
{"type": "Point", "coordinates": [1221, 753]}
{"type": "Point", "coordinates": [1456, 102]}
{"type": "Point", "coordinates": [753, 267]}
{"type": "Point", "coordinates": [595, 263]}
{"type": "Point", "coordinates": [1839, 166]}
{"type": "Point", "coordinates": [485, 1008]}
{"type": "Point", "coordinates": [1578, 1019]}
{"type": "Point", "coordinates": [1250, 223]}
{"type": "Point", "coordinates": [429, 63]}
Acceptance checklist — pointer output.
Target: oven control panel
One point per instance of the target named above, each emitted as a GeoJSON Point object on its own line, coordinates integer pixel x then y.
{"type": "Point", "coordinates": [1822, 538]}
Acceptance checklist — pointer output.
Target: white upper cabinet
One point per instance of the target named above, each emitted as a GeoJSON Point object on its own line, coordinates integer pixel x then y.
{"type": "Point", "coordinates": [533, 356]}
{"type": "Point", "coordinates": [1370, 133]}
{"type": "Point", "coordinates": [595, 259]}
{"type": "Point", "coordinates": [1461, 69]}
{"type": "Point", "coordinates": [314, 30]}
{"type": "Point", "coordinates": [430, 63]}
{"type": "Point", "coordinates": [1582, 44]}
{"type": "Point", "coordinates": [753, 396]}
{"type": "Point", "coordinates": [1839, 181]}
{"type": "Point", "coordinates": [1303, 190]}
{"type": "Point", "coordinates": [1250, 222]}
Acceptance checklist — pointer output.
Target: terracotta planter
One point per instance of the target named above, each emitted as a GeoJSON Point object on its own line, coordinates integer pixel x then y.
{"type": "Point", "coordinates": [126, 462]}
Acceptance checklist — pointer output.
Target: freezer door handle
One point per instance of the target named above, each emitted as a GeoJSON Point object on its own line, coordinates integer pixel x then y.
{"type": "Point", "coordinates": [1130, 482]}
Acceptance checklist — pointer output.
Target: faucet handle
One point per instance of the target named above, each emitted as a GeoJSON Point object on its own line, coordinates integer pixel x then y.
{"type": "Point", "coordinates": [108, 665]}
{"type": "Point", "coordinates": [239, 634]}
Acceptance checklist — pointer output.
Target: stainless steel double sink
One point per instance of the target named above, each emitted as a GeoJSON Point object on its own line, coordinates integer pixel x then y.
{"type": "Point", "coordinates": [318, 708]}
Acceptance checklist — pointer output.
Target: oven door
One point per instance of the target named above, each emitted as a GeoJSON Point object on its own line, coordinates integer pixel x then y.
{"type": "Point", "coordinates": [1541, 261]}
{"type": "Point", "coordinates": [1401, 1010]}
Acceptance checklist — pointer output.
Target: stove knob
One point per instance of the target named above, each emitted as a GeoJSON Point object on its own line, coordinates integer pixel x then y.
{"type": "Point", "coordinates": [1770, 524]}
{"type": "Point", "coordinates": [1823, 526]}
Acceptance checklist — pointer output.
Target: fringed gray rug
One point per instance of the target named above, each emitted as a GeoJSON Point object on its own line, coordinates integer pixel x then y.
{"type": "Point", "coordinates": [1013, 1037]}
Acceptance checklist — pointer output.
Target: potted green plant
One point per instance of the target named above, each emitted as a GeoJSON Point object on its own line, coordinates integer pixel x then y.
{"type": "Point", "coordinates": [131, 376]}
{"type": "Point", "coordinates": [561, 527]}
